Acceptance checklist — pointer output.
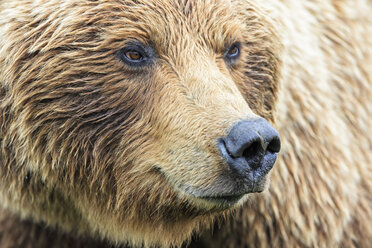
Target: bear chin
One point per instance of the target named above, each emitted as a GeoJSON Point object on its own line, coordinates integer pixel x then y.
{"type": "Point", "coordinates": [225, 201]}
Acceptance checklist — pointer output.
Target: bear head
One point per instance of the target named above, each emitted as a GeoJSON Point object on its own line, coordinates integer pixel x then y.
{"type": "Point", "coordinates": [137, 120]}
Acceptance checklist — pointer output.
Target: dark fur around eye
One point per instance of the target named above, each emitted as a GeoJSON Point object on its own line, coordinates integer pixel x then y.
{"type": "Point", "coordinates": [136, 54]}
{"type": "Point", "coordinates": [232, 54]}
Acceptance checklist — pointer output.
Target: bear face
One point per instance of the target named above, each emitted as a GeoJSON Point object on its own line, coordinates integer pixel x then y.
{"type": "Point", "coordinates": [112, 111]}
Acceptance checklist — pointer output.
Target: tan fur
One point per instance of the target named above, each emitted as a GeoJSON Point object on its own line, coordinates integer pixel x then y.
{"type": "Point", "coordinates": [96, 148]}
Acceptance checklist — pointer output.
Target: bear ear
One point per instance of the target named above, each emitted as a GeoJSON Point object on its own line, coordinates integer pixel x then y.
{"type": "Point", "coordinates": [260, 71]}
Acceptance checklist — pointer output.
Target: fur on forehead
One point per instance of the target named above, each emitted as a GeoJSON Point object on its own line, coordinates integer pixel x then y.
{"type": "Point", "coordinates": [162, 23]}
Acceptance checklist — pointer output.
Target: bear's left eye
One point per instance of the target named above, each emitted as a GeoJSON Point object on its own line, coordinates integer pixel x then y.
{"type": "Point", "coordinates": [233, 53]}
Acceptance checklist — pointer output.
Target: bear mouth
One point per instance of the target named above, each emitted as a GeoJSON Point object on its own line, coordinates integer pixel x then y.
{"type": "Point", "coordinates": [231, 199]}
{"type": "Point", "coordinates": [223, 199]}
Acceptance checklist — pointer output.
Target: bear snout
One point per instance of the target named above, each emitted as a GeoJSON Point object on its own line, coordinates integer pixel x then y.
{"type": "Point", "coordinates": [250, 150]}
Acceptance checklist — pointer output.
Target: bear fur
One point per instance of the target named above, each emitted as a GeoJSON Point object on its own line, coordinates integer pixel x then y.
{"type": "Point", "coordinates": [96, 153]}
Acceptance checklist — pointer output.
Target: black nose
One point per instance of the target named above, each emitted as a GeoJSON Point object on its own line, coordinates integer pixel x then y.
{"type": "Point", "coordinates": [251, 146]}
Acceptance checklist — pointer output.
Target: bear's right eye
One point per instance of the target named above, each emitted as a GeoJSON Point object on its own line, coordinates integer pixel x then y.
{"type": "Point", "coordinates": [133, 56]}
{"type": "Point", "coordinates": [136, 55]}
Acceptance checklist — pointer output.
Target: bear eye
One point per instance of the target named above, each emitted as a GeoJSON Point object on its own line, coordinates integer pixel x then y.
{"type": "Point", "coordinates": [133, 56]}
{"type": "Point", "coordinates": [233, 53]}
{"type": "Point", "coordinates": [136, 55]}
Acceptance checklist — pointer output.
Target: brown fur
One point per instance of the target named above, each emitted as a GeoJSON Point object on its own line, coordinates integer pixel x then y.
{"type": "Point", "coordinates": [93, 147]}
{"type": "Point", "coordinates": [26, 234]}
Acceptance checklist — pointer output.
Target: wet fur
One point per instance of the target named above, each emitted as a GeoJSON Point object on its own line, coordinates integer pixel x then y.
{"type": "Point", "coordinates": [93, 147]}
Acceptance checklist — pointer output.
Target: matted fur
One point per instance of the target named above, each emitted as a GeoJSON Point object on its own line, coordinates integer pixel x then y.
{"type": "Point", "coordinates": [94, 147]}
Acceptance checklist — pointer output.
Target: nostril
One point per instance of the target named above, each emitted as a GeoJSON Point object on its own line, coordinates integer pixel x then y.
{"type": "Point", "coordinates": [251, 151]}
{"type": "Point", "coordinates": [253, 154]}
{"type": "Point", "coordinates": [274, 145]}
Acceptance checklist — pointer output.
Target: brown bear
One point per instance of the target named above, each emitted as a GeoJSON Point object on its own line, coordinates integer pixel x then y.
{"type": "Point", "coordinates": [145, 123]}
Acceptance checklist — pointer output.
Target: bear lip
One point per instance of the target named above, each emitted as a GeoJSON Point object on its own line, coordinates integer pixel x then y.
{"type": "Point", "coordinates": [231, 199]}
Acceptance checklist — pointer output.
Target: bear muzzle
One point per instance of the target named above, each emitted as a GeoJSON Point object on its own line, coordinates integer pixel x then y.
{"type": "Point", "coordinates": [249, 151]}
